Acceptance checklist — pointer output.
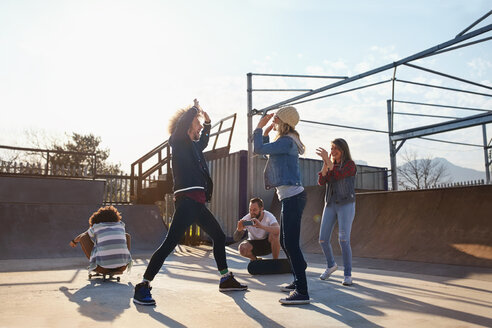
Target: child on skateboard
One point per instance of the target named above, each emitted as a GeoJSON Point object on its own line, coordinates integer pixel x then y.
{"type": "Point", "coordinates": [105, 242]}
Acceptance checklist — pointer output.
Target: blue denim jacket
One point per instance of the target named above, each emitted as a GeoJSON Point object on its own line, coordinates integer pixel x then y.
{"type": "Point", "coordinates": [282, 168]}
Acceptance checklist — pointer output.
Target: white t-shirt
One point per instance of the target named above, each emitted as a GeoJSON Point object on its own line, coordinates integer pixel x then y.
{"type": "Point", "coordinates": [258, 233]}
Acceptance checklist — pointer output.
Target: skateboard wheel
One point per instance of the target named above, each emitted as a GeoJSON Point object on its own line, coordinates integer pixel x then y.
{"type": "Point", "coordinates": [90, 276]}
{"type": "Point", "coordinates": [118, 279]}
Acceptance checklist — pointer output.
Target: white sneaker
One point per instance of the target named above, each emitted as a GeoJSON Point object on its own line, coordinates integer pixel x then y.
{"type": "Point", "coordinates": [325, 275]}
{"type": "Point", "coordinates": [347, 281]}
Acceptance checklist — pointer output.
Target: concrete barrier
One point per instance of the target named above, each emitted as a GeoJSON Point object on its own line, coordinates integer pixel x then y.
{"type": "Point", "coordinates": [449, 226]}
{"type": "Point", "coordinates": [39, 217]}
{"type": "Point", "coordinates": [44, 230]}
{"type": "Point", "coordinates": [18, 189]}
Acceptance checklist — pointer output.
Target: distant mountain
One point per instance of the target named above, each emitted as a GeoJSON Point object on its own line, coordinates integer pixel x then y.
{"type": "Point", "coordinates": [457, 173]}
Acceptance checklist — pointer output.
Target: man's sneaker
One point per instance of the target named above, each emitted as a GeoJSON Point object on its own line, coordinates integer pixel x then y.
{"type": "Point", "coordinates": [325, 275]}
{"type": "Point", "coordinates": [229, 283]}
{"type": "Point", "coordinates": [289, 288]}
{"type": "Point", "coordinates": [142, 294]}
{"type": "Point", "coordinates": [295, 298]}
{"type": "Point", "coordinates": [347, 281]}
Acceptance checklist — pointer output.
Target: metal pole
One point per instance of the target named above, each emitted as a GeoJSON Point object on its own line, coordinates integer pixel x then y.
{"type": "Point", "coordinates": [249, 187]}
{"type": "Point", "coordinates": [47, 163]}
{"type": "Point", "coordinates": [485, 147]}
{"type": "Point", "coordinates": [474, 23]}
{"type": "Point", "coordinates": [394, 177]}
{"type": "Point", "coordinates": [94, 167]}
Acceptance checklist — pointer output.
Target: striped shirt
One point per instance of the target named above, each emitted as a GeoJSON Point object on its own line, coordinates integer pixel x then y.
{"type": "Point", "coordinates": [110, 249]}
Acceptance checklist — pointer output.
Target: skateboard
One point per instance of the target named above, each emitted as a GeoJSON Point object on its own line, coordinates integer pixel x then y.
{"type": "Point", "coordinates": [269, 266]}
{"type": "Point", "coordinates": [106, 274]}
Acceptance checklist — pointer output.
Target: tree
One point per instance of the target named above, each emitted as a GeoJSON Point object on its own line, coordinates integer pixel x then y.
{"type": "Point", "coordinates": [420, 173]}
{"type": "Point", "coordinates": [84, 145]}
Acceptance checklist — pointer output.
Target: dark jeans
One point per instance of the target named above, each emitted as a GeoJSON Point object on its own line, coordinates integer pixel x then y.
{"type": "Point", "coordinates": [290, 230]}
{"type": "Point", "coordinates": [188, 212]}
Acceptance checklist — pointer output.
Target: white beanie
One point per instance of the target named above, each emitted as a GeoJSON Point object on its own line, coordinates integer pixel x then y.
{"type": "Point", "coordinates": [288, 115]}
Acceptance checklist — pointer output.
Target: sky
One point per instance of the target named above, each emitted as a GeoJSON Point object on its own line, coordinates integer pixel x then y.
{"type": "Point", "coordinates": [119, 69]}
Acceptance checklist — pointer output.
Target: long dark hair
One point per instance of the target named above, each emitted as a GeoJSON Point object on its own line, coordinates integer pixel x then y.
{"type": "Point", "coordinates": [344, 148]}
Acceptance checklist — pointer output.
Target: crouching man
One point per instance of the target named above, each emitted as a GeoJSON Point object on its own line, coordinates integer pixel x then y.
{"type": "Point", "coordinates": [263, 232]}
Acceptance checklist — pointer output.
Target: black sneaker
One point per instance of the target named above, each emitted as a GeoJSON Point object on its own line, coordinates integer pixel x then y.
{"type": "Point", "coordinates": [142, 294]}
{"type": "Point", "coordinates": [229, 283]}
{"type": "Point", "coordinates": [289, 288]}
{"type": "Point", "coordinates": [295, 298]}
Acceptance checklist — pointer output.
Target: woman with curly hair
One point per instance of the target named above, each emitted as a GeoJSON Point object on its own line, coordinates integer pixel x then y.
{"type": "Point", "coordinates": [192, 190]}
{"type": "Point", "coordinates": [105, 242]}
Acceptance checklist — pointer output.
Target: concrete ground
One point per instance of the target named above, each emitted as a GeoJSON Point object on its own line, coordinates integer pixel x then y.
{"type": "Point", "coordinates": [57, 293]}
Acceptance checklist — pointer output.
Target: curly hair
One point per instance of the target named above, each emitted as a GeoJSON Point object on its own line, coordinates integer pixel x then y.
{"type": "Point", "coordinates": [105, 214]}
{"type": "Point", "coordinates": [173, 121]}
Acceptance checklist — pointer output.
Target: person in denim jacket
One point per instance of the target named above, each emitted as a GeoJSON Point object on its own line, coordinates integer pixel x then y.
{"type": "Point", "coordinates": [338, 174]}
{"type": "Point", "coordinates": [282, 173]}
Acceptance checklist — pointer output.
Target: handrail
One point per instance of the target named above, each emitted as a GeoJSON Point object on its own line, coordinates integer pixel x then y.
{"type": "Point", "coordinates": [152, 152]}
{"type": "Point", "coordinates": [48, 151]}
{"type": "Point", "coordinates": [138, 176]}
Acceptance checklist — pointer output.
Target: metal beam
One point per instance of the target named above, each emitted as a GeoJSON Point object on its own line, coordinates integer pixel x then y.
{"type": "Point", "coordinates": [425, 115]}
{"type": "Point", "coordinates": [340, 92]}
{"type": "Point", "coordinates": [381, 131]}
{"type": "Point", "coordinates": [458, 47]}
{"type": "Point", "coordinates": [399, 146]}
{"type": "Point", "coordinates": [451, 142]}
{"type": "Point", "coordinates": [448, 76]}
{"type": "Point", "coordinates": [296, 75]}
{"type": "Point", "coordinates": [268, 90]}
{"type": "Point", "coordinates": [392, 146]}
{"type": "Point", "coordinates": [475, 23]}
{"type": "Point", "coordinates": [343, 126]}
{"type": "Point", "coordinates": [442, 127]}
{"type": "Point", "coordinates": [445, 88]}
{"type": "Point", "coordinates": [250, 179]}
{"type": "Point", "coordinates": [418, 55]}
{"type": "Point", "coordinates": [486, 158]}
{"type": "Point", "coordinates": [442, 106]}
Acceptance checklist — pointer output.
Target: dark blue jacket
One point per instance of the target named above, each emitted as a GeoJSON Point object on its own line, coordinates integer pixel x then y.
{"type": "Point", "coordinates": [190, 170]}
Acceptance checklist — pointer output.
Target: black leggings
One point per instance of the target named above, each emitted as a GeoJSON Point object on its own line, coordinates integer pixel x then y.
{"type": "Point", "coordinates": [187, 212]}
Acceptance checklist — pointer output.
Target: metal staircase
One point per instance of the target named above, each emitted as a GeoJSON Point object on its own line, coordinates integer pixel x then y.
{"type": "Point", "coordinates": [151, 175]}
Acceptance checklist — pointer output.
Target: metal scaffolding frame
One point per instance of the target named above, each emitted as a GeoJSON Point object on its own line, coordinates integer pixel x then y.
{"type": "Point", "coordinates": [393, 136]}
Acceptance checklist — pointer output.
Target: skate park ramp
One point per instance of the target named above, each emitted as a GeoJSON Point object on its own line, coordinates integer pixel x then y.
{"type": "Point", "coordinates": [40, 216]}
{"type": "Point", "coordinates": [447, 226]}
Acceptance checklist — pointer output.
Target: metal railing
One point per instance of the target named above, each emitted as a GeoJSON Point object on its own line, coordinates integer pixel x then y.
{"type": "Point", "coordinates": [47, 168]}
{"type": "Point", "coordinates": [451, 185]}
{"type": "Point", "coordinates": [160, 157]}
